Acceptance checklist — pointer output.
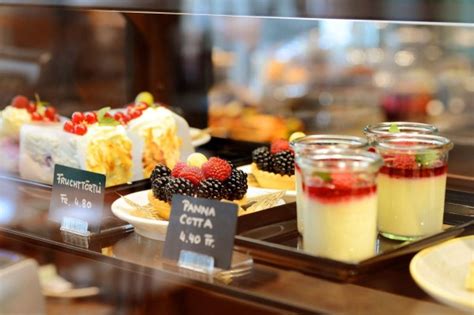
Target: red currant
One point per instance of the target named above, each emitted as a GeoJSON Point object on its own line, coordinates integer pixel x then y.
{"type": "Point", "coordinates": [90, 118]}
{"type": "Point", "coordinates": [141, 105]}
{"type": "Point", "coordinates": [31, 108]}
{"type": "Point", "coordinates": [77, 117]}
{"type": "Point", "coordinates": [20, 101]}
{"type": "Point", "coordinates": [118, 116]}
{"type": "Point", "coordinates": [80, 129]}
{"type": "Point", "coordinates": [35, 116]}
{"type": "Point", "coordinates": [126, 118]}
{"type": "Point", "coordinates": [68, 126]}
{"type": "Point", "coordinates": [50, 113]}
{"type": "Point", "coordinates": [108, 115]}
{"type": "Point", "coordinates": [135, 113]}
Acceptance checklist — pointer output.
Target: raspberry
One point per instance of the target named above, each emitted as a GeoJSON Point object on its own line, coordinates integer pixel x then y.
{"type": "Point", "coordinates": [20, 101]}
{"type": "Point", "coordinates": [404, 161]}
{"type": "Point", "coordinates": [217, 168]}
{"type": "Point", "coordinates": [343, 180]}
{"type": "Point", "coordinates": [279, 145]}
{"type": "Point", "coordinates": [192, 173]}
{"type": "Point", "coordinates": [177, 169]}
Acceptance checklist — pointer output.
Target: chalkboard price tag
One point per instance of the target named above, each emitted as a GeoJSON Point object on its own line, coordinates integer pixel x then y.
{"type": "Point", "coordinates": [202, 226]}
{"type": "Point", "coordinates": [77, 200]}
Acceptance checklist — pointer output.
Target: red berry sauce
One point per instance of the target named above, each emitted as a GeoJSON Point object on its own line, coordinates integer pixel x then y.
{"type": "Point", "coordinates": [414, 172]}
{"type": "Point", "coordinates": [328, 194]}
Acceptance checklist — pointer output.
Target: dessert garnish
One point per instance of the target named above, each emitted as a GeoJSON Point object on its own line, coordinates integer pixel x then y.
{"type": "Point", "coordinates": [38, 110]}
{"type": "Point", "coordinates": [212, 179]}
{"type": "Point", "coordinates": [279, 159]}
{"type": "Point", "coordinates": [393, 128]}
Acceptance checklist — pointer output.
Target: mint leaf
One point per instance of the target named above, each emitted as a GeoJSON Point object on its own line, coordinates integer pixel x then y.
{"type": "Point", "coordinates": [393, 128]}
{"type": "Point", "coordinates": [427, 159]}
{"type": "Point", "coordinates": [101, 113]}
{"type": "Point", "coordinates": [323, 175]}
{"type": "Point", "coordinates": [108, 121]}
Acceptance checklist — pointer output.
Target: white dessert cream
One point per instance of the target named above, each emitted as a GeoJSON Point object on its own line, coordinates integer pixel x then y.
{"type": "Point", "coordinates": [411, 205]}
{"type": "Point", "coordinates": [340, 225]}
{"type": "Point", "coordinates": [12, 120]}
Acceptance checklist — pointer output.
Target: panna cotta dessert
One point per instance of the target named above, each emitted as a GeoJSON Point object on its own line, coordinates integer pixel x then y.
{"type": "Point", "coordinates": [340, 203]}
{"type": "Point", "coordinates": [372, 132]}
{"type": "Point", "coordinates": [307, 144]}
{"type": "Point", "coordinates": [412, 185]}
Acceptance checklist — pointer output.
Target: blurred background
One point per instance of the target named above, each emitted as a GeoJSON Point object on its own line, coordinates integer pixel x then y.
{"type": "Point", "coordinates": [246, 78]}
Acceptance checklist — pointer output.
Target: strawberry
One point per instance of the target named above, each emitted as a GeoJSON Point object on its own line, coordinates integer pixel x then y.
{"type": "Point", "coordinates": [217, 168]}
{"type": "Point", "coordinates": [177, 169]}
{"type": "Point", "coordinates": [279, 145]}
{"type": "Point", "coordinates": [343, 180]}
{"type": "Point", "coordinates": [404, 161]}
{"type": "Point", "coordinates": [192, 173]}
{"type": "Point", "coordinates": [20, 101]}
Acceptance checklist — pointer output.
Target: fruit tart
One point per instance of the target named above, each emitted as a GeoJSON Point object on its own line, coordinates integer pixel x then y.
{"type": "Point", "coordinates": [212, 178]}
{"type": "Point", "coordinates": [274, 166]}
{"type": "Point", "coordinates": [21, 111]}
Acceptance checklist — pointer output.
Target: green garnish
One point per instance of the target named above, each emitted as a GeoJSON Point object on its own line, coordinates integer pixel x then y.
{"type": "Point", "coordinates": [323, 175]}
{"type": "Point", "coordinates": [393, 128]}
{"type": "Point", "coordinates": [427, 159]}
{"type": "Point", "coordinates": [105, 121]}
{"type": "Point", "coordinates": [40, 105]}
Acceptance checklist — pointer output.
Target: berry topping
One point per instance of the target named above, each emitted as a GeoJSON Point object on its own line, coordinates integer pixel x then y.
{"type": "Point", "coordinates": [343, 180]}
{"type": "Point", "coordinates": [160, 190]}
{"type": "Point", "coordinates": [35, 116]}
{"type": "Point", "coordinates": [77, 117]}
{"type": "Point", "coordinates": [68, 126]}
{"type": "Point", "coordinates": [31, 107]}
{"type": "Point", "coordinates": [50, 113]}
{"type": "Point", "coordinates": [404, 161]}
{"type": "Point", "coordinates": [262, 157]}
{"type": "Point", "coordinates": [236, 186]}
{"type": "Point", "coordinates": [180, 186]}
{"type": "Point", "coordinates": [279, 145]}
{"type": "Point", "coordinates": [210, 189]}
{"type": "Point", "coordinates": [90, 118]}
{"type": "Point", "coordinates": [141, 106]}
{"type": "Point", "coordinates": [159, 171]}
{"type": "Point", "coordinates": [80, 129]}
{"type": "Point", "coordinates": [134, 113]}
{"type": "Point", "coordinates": [283, 163]}
{"type": "Point", "coordinates": [217, 168]}
{"type": "Point", "coordinates": [20, 101]}
{"type": "Point", "coordinates": [196, 159]}
{"type": "Point", "coordinates": [192, 173]}
{"type": "Point", "coordinates": [177, 169]}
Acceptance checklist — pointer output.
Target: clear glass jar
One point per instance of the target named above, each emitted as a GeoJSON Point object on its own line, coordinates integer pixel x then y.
{"type": "Point", "coordinates": [383, 129]}
{"type": "Point", "coordinates": [340, 203]}
{"type": "Point", "coordinates": [412, 184]}
{"type": "Point", "coordinates": [310, 143]}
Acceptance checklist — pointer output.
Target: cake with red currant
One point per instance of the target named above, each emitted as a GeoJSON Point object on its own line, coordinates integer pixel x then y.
{"type": "Point", "coordinates": [21, 111]}
{"type": "Point", "coordinates": [274, 166]}
{"type": "Point", "coordinates": [213, 178]}
{"type": "Point", "coordinates": [92, 141]}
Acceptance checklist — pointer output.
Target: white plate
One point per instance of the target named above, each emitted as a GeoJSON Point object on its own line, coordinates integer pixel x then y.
{"type": "Point", "coordinates": [290, 195]}
{"type": "Point", "coordinates": [156, 229]}
{"type": "Point", "coordinates": [441, 271]}
{"type": "Point", "coordinates": [199, 137]}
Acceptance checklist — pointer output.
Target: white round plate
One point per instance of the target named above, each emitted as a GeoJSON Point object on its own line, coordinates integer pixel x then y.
{"type": "Point", "coordinates": [441, 271]}
{"type": "Point", "coordinates": [156, 229]}
{"type": "Point", "coordinates": [290, 195]}
{"type": "Point", "coordinates": [199, 137]}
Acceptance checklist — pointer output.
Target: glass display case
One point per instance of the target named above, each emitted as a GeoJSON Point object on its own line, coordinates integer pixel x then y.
{"type": "Point", "coordinates": [233, 76]}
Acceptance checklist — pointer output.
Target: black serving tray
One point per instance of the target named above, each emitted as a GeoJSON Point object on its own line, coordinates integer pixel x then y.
{"type": "Point", "coordinates": [271, 236]}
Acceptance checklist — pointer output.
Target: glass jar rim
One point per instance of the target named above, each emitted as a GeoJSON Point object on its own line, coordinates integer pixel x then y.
{"type": "Point", "coordinates": [383, 128]}
{"type": "Point", "coordinates": [353, 160]}
{"type": "Point", "coordinates": [422, 142]}
{"type": "Point", "coordinates": [327, 141]}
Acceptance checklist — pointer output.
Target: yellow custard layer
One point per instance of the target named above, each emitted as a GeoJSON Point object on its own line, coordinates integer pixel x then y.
{"type": "Point", "coordinates": [12, 120]}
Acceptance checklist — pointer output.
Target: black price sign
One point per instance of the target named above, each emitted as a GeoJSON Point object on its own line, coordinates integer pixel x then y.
{"type": "Point", "coordinates": [201, 226]}
{"type": "Point", "coordinates": [77, 199]}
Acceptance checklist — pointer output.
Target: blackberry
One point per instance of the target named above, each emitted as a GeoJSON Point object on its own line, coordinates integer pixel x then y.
{"type": "Point", "coordinates": [210, 189]}
{"type": "Point", "coordinates": [159, 171]}
{"type": "Point", "coordinates": [160, 190]}
{"type": "Point", "coordinates": [263, 158]}
{"type": "Point", "coordinates": [181, 186]}
{"type": "Point", "coordinates": [284, 163]}
{"type": "Point", "coordinates": [235, 186]}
